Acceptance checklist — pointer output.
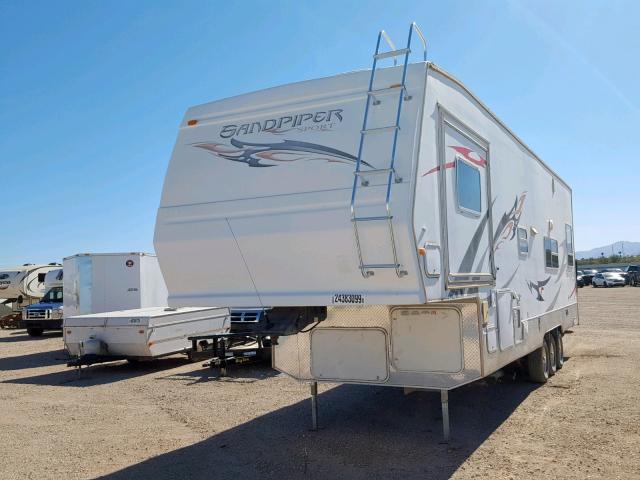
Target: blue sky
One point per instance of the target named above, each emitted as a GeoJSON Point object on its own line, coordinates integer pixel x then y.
{"type": "Point", "coordinates": [92, 92]}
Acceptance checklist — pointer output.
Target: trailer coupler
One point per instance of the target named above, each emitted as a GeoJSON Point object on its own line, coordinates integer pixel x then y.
{"type": "Point", "coordinates": [91, 359]}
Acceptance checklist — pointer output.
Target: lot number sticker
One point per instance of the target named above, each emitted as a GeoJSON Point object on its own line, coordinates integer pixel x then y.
{"type": "Point", "coordinates": [348, 298]}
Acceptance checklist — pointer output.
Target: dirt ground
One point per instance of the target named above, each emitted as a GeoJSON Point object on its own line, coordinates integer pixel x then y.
{"type": "Point", "coordinates": [174, 419]}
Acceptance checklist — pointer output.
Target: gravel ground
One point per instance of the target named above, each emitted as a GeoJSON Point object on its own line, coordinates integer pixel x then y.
{"type": "Point", "coordinates": [174, 419]}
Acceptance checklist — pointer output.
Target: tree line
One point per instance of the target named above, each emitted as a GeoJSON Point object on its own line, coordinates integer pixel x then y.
{"type": "Point", "coordinates": [609, 259]}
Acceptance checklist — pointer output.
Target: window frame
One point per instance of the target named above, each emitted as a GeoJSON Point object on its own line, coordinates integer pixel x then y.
{"type": "Point", "coordinates": [553, 255]}
{"type": "Point", "coordinates": [461, 208]}
{"type": "Point", "coordinates": [519, 240]}
{"type": "Point", "coordinates": [571, 254]}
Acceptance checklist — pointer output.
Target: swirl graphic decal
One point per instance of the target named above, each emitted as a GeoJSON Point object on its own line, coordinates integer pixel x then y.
{"type": "Point", "coordinates": [274, 154]}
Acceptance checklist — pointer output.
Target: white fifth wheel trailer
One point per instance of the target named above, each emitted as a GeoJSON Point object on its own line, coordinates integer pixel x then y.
{"type": "Point", "coordinates": [400, 233]}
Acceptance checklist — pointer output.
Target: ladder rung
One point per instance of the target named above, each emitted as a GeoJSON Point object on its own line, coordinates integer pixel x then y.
{"type": "Point", "coordinates": [392, 53]}
{"type": "Point", "coordinates": [374, 171]}
{"type": "Point", "coordinates": [380, 129]}
{"type": "Point", "coordinates": [381, 265]}
{"type": "Point", "coordinates": [371, 219]}
{"type": "Point", "coordinates": [385, 90]}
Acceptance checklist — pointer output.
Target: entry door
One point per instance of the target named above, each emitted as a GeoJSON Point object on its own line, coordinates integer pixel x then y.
{"type": "Point", "coordinates": [464, 174]}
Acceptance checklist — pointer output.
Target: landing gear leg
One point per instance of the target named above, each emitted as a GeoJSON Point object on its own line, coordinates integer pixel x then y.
{"type": "Point", "coordinates": [444, 400]}
{"type": "Point", "coordinates": [314, 406]}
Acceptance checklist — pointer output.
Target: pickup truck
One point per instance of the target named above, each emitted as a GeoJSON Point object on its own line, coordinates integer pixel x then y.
{"type": "Point", "coordinates": [44, 315]}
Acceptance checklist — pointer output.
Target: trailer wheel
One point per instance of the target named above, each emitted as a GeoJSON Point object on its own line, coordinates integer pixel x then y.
{"type": "Point", "coordinates": [538, 361]}
{"type": "Point", "coordinates": [551, 346]}
{"type": "Point", "coordinates": [35, 332]}
{"type": "Point", "coordinates": [557, 337]}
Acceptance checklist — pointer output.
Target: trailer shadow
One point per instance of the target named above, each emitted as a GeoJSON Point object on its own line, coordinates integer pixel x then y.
{"type": "Point", "coordinates": [34, 360]}
{"type": "Point", "coordinates": [235, 374]}
{"type": "Point", "coordinates": [365, 432]}
{"type": "Point", "coordinates": [22, 336]}
{"type": "Point", "coordinates": [101, 374]}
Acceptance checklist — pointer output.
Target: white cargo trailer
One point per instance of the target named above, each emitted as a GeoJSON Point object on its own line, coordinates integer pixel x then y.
{"type": "Point", "coordinates": [104, 282]}
{"type": "Point", "coordinates": [434, 246]}
{"type": "Point", "coordinates": [139, 334]}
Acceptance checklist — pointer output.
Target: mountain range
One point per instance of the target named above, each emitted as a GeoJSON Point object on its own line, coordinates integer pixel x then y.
{"type": "Point", "coordinates": [627, 248]}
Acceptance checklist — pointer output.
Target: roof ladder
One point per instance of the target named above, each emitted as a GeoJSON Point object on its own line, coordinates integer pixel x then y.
{"type": "Point", "coordinates": [367, 269]}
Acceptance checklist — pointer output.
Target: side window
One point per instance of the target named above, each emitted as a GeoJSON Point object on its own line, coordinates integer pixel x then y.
{"type": "Point", "coordinates": [523, 241]}
{"type": "Point", "coordinates": [570, 252]}
{"type": "Point", "coordinates": [468, 187]}
{"type": "Point", "coordinates": [551, 253]}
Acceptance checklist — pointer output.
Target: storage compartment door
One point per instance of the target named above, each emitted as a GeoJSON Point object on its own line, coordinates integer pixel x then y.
{"type": "Point", "coordinates": [465, 183]}
{"type": "Point", "coordinates": [349, 354]}
{"type": "Point", "coordinates": [506, 331]}
{"type": "Point", "coordinates": [427, 340]}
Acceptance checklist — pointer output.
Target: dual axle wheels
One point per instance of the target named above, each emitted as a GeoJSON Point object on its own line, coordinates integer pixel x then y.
{"type": "Point", "coordinates": [546, 360]}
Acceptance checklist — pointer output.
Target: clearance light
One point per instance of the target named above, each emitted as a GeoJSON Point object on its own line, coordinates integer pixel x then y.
{"type": "Point", "coordinates": [422, 251]}
{"type": "Point", "coordinates": [140, 331]}
{"type": "Point", "coordinates": [191, 123]}
{"type": "Point", "coordinates": [151, 343]}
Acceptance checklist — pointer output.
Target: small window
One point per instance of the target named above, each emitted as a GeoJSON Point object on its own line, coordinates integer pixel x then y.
{"type": "Point", "coordinates": [570, 252]}
{"type": "Point", "coordinates": [468, 187]}
{"type": "Point", "coordinates": [551, 253]}
{"type": "Point", "coordinates": [41, 277]}
{"type": "Point", "coordinates": [523, 241]}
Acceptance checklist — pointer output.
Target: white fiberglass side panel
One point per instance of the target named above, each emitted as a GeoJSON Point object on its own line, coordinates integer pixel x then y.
{"type": "Point", "coordinates": [256, 203]}
{"type": "Point", "coordinates": [77, 283]}
{"type": "Point", "coordinates": [116, 282]}
{"type": "Point", "coordinates": [524, 194]}
{"type": "Point", "coordinates": [153, 290]}
{"type": "Point", "coordinates": [195, 274]}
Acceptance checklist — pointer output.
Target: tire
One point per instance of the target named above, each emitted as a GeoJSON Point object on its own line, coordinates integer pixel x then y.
{"type": "Point", "coordinates": [35, 332]}
{"type": "Point", "coordinates": [537, 361]}
{"type": "Point", "coordinates": [551, 346]}
{"type": "Point", "coordinates": [557, 338]}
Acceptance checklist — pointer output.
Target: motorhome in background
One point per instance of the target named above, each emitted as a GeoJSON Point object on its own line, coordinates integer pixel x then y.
{"type": "Point", "coordinates": [400, 232]}
{"type": "Point", "coordinates": [22, 286]}
{"type": "Point", "coordinates": [47, 313]}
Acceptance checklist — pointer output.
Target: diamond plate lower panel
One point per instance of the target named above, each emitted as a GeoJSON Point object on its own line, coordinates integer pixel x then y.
{"type": "Point", "coordinates": [292, 355]}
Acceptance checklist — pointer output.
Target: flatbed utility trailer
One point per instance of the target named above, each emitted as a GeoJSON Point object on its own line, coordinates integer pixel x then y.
{"type": "Point", "coordinates": [139, 334]}
{"type": "Point", "coordinates": [224, 349]}
{"type": "Point", "coordinates": [400, 232]}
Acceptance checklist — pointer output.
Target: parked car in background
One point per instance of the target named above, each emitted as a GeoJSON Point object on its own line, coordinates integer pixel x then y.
{"type": "Point", "coordinates": [608, 279]}
{"type": "Point", "coordinates": [579, 281]}
{"type": "Point", "coordinates": [619, 271]}
{"type": "Point", "coordinates": [587, 276]}
{"type": "Point", "coordinates": [633, 275]}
